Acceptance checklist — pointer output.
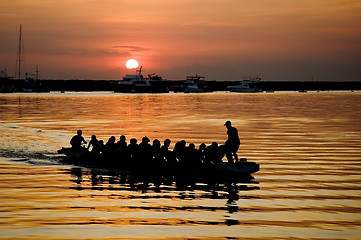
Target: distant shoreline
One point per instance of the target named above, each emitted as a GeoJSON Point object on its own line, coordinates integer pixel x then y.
{"type": "Point", "coordinates": [11, 85]}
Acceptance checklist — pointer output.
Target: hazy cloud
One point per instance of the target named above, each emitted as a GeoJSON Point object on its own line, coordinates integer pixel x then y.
{"type": "Point", "coordinates": [277, 39]}
{"type": "Point", "coordinates": [130, 48]}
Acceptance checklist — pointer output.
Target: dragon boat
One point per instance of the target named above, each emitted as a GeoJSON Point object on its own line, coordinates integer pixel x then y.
{"type": "Point", "coordinates": [239, 172]}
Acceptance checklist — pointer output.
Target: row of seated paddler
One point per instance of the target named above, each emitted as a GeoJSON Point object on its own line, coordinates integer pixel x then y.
{"type": "Point", "coordinates": [154, 155]}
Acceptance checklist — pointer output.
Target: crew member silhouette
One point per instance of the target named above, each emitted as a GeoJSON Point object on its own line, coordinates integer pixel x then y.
{"type": "Point", "coordinates": [94, 142]}
{"type": "Point", "coordinates": [77, 140]}
{"type": "Point", "coordinates": [232, 144]}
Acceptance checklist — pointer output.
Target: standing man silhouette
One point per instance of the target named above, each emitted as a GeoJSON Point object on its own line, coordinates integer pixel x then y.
{"type": "Point", "coordinates": [232, 144]}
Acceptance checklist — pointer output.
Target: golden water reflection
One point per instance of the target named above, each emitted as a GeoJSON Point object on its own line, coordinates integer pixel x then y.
{"type": "Point", "coordinates": [308, 146]}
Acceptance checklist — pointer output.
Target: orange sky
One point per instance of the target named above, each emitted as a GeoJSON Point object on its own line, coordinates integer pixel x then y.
{"type": "Point", "coordinates": [220, 39]}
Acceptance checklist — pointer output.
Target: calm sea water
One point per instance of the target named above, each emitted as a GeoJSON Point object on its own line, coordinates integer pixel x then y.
{"type": "Point", "coordinates": [308, 146]}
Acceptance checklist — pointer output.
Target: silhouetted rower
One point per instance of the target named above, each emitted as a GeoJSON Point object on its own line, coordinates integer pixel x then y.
{"type": "Point", "coordinates": [109, 149]}
{"type": "Point", "coordinates": [122, 143]}
{"type": "Point", "coordinates": [192, 157]}
{"type": "Point", "coordinates": [77, 140]}
{"type": "Point", "coordinates": [132, 153]}
{"type": "Point", "coordinates": [201, 149]}
{"type": "Point", "coordinates": [145, 156]}
{"type": "Point", "coordinates": [158, 157]}
{"type": "Point", "coordinates": [171, 161]}
{"type": "Point", "coordinates": [213, 154]}
{"type": "Point", "coordinates": [94, 143]}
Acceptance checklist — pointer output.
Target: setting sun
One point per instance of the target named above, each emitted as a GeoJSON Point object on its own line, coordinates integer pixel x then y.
{"type": "Point", "coordinates": [131, 63]}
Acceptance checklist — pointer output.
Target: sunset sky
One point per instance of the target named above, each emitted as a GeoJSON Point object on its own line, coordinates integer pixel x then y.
{"type": "Point", "coordinates": [219, 39]}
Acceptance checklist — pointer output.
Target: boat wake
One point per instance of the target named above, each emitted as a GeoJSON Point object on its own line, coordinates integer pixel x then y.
{"type": "Point", "coordinates": [35, 158]}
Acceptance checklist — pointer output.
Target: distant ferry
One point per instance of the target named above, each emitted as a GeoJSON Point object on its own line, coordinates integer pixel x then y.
{"type": "Point", "coordinates": [246, 86]}
{"type": "Point", "coordinates": [138, 84]}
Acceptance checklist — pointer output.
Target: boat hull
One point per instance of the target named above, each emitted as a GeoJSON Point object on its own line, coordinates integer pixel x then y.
{"type": "Point", "coordinates": [127, 88]}
{"type": "Point", "coordinates": [243, 90]}
{"type": "Point", "coordinates": [239, 172]}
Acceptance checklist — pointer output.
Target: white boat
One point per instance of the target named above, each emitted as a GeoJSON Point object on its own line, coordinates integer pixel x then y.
{"type": "Point", "coordinates": [191, 87]}
{"type": "Point", "coordinates": [138, 84]}
{"type": "Point", "coordinates": [193, 84]}
{"type": "Point", "coordinates": [246, 86]}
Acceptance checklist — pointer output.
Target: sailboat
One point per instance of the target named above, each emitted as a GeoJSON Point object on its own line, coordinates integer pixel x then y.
{"type": "Point", "coordinates": [19, 56]}
{"type": "Point", "coordinates": [31, 83]}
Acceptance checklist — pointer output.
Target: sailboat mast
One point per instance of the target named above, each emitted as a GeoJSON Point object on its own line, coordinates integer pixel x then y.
{"type": "Point", "coordinates": [18, 58]}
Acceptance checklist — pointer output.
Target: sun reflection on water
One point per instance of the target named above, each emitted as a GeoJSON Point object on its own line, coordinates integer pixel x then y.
{"type": "Point", "coordinates": [308, 148]}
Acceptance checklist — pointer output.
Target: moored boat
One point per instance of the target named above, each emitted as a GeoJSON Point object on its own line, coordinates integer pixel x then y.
{"type": "Point", "coordinates": [139, 84]}
{"type": "Point", "coordinates": [6, 83]}
{"type": "Point", "coordinates": [246, 86]}
{"type": "Point", "coordinates": [193, 84]}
